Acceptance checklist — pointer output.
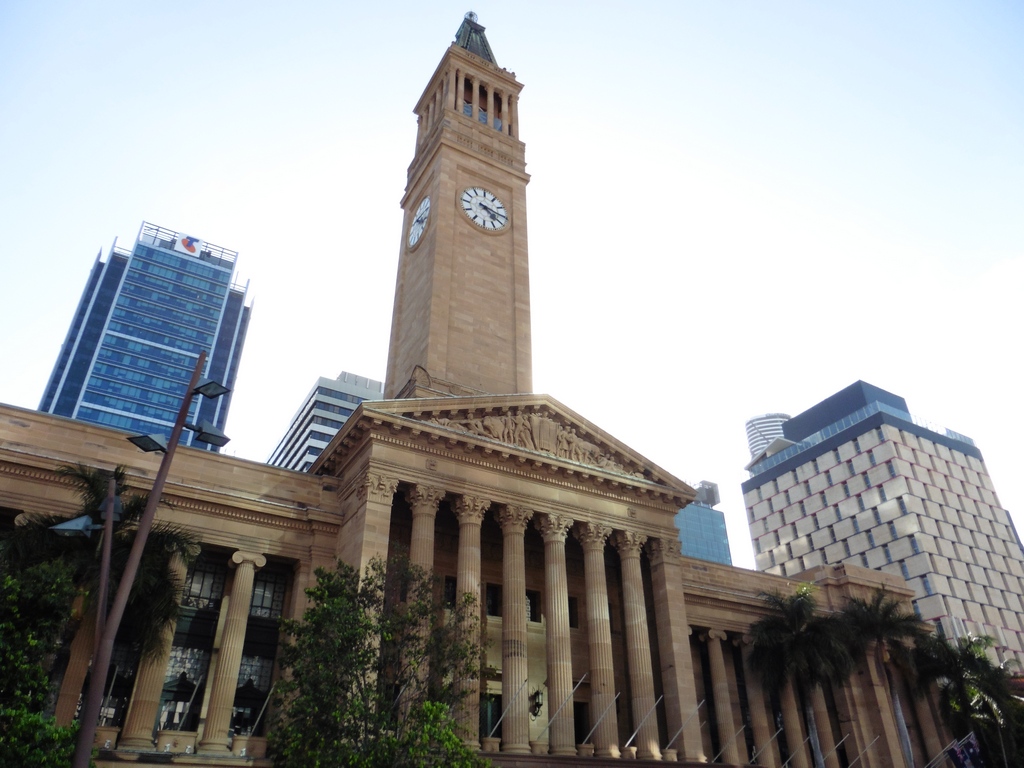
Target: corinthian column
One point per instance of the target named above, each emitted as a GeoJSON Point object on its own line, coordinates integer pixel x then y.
{"type": "Point", "coordinates": [149, 683]}
{"type": "Point", "coordinates": [470, 512]}
{"type": "Point", "coordinates": [514, 668]}
{"type": "Point", "coordinates": [423, 500]}
{"type": "Point", "coordinates": [674, 649]}
{"type": "Point", "coordinates": [763, 746]}
{"type": "Point", "coordinates": [553, 529]}
{"type": "Point", "coordinates": [825, 739]}
{"type": "Point", "coordinates": [599, 639]}
{"type": "Point", "coordinates": [791, 727]}
{"type": "Point", "coordinates": [225, 677]}
{"type": "Point", "coordinates": [638, 644]}
{"type": "Point", "coordinates": [720, 692]}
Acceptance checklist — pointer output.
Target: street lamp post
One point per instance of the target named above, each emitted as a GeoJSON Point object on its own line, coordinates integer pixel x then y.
{"type": "Point", "coordinates": [105, 648]}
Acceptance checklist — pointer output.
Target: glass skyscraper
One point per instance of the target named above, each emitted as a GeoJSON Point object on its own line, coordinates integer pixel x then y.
{"type": "Point", "coordinates": [144, 317]}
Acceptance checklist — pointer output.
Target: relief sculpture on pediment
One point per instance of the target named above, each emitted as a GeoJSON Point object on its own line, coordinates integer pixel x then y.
{"type": "Point", "coordinates": [536, 432]}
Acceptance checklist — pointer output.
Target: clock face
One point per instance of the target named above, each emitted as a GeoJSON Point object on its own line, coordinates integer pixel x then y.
{"type": "Point", "coordinates": [484, 209]}
{"type": "Point", "coordinates": [419, 221]}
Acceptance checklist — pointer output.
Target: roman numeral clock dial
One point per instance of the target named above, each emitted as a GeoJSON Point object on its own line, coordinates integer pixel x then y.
{"type": "Point", "coordinates": [484, 209]}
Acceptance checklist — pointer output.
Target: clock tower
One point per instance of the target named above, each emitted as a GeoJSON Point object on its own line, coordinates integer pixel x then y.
{"type": "Point", "coordinates": [461, 321]}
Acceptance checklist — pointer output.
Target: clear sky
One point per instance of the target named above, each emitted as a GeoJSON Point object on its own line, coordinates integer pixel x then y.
{"type": "Point", "coordinates": [735, 207]}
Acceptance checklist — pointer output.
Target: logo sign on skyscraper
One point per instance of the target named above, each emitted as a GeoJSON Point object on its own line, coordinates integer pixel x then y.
{"type": "Point", "coordinates": [188, 244]}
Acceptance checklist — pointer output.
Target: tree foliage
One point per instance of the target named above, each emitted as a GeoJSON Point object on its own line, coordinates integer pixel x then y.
{"type": "Point", "coordinates": [34, 605]}
{"type": "Point", "coordinates": [974, 693]}
{"type": "Point", "coordinates": [794, 642]}
{"type": "Point", "coordinates": [882, 621]}
{"type": "Point", "coordinates": [153, 601]}
{"type": "Point", "coordinates": [375, 667]}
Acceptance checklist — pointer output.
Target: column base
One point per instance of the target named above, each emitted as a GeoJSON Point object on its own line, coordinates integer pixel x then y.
{"type": "Point", "coordinates": [212, 748]}
{"type": "Point", "coordinates": [137, 743]}
{"type": "Point", "coordinates": [612, 751]}
{"type": "Point", "coordinates": [563, 751]}
{"type": "Point", "coordinates": [516, 749]}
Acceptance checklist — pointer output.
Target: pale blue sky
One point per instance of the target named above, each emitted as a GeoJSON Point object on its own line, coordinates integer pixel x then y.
{"type": "Point", "coordinates": [736, 207]}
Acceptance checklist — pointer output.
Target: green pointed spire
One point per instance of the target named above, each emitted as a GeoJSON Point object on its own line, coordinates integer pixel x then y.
{"type": "Point", "coordinates": [471, 37]}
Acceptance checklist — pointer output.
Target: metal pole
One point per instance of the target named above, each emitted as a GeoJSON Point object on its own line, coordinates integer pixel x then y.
{"type": "Point", "coordinates": [757, 752]}
{"type": "Point", "coordinates": [188, 707]}
{"type": "Point", "coordinates": [644, 720]}
{"type": "Point", "coordinates": [103, 652]}
{"type": "Point", "coordinates": [673, 740]}
{"type": "Point", "coordinates": [110, 690]}
{"type": "Point", "coordinates": [941, 756]}
{"type": "Point", "coordinates": [507, 708]}
{"type": "Point", "coordinates": [105, 549]}
{"type": "Point", "coordinates": [568, 699]}
{"type": "Point", "coordinates": [262, 710]}
{"type": "Point", "coordinates": [606, 711]}
{"type": "Point", "coordinates": [730, 741]}
{"type": "Point", "coordinates": [837, 746]}
{"type": "Point", "coordinates": [794, 751]}
{"type": "Point", "coordinates": [869, 746]}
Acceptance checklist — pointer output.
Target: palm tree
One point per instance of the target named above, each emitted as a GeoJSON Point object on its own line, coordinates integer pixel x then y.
{"type": "Point", "coordinates": [796, 643]}
{"type": "Point", "coordinates": [974, 692]}
{"type": "Point", "coordinates": [883, 621]}
{"type": "Point", "coordinates": [153, 601]}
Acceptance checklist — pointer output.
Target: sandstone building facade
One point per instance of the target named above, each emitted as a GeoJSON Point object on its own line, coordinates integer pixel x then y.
{"type": "Point", "coordinates": [566, 534]}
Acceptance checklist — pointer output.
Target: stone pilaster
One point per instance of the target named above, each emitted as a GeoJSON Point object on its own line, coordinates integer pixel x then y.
{"type": "Point", "coordinates": [599, 639]}
{"type": "Point", "coordinates": [553, 529]}
{"type": "Point", "coordinates": [638, 653]}
{"type": "Point", "coordinates": [792, 728]}
{"type": "Point", "coordinates": [225, 677]}
{"type": "Point", "coordinates": [514, 667]}
{"type": "Point", "coordinates": [722, 699]}
{"type": "Point", "coordinates": [423, 500]}
{"type": "Point", "coordinates": [674, 649]}
{"type": "Point", "coordinates": [470, 512]}
{"type": "Point", "coordinates": [927, 721]}
{"type": "Point", "coordinates": [140, 719]}
{"type": "Point", "coordinates": [367, 528]}
{"type": "Point", "coordinates": [764, 747]}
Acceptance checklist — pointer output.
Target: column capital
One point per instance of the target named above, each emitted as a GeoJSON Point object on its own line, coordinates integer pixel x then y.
{"type": "Point", "coordinates": [592, 535]}
{"type": "Point", "coordinates": [553, 527]}
{"type": "Point", "coordinates": [377, 487]}
{"type": "Point", "coordinates": [714, 634]}
{"type": "Point", "coordinates": [424, 498]}
{"type": "Point", "coordinates": [239, 557]}
{"type": "Point", "coordinates": [471, 509]}
{"type": "Point", "coordinates": [513, 519]}
{"type": "Point", "coordinates": [628, 543]}
{"type": "Point", "coordinates": [663, 551]}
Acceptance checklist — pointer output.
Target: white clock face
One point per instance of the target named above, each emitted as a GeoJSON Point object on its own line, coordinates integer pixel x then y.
{"type": "Point", "coordinates": [484, 209]}
{"type": "Point", "coordinates": [419, 221]}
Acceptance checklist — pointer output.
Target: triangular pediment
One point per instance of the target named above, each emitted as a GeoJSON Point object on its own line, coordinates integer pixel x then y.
{"type": "Point", "coordinates": [533, 428]}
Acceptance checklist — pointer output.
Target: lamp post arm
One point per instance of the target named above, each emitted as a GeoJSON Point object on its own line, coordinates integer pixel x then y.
{"type": "Point", "coordinates": [103, 653]}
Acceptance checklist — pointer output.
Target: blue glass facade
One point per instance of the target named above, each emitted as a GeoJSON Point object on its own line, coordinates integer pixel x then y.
{"type": "Point", "coordinates": [143, 319]}
{"type": "Point", "coordinates": [702, 533]}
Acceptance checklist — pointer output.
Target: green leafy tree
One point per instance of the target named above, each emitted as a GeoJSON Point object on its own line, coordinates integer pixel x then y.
{"type": "Point", "coordinates": [974, 693]}
{"type": "Point", "coordinates": [375, 667]}
{"type": "Point", "coordinates": [153, 601]}
{"type": "Point", "coordinates": [795, 642]}
{"type": "Point", "coordinates": [893, 632]}
{"type": "Point", "coordinates": [34, 605]}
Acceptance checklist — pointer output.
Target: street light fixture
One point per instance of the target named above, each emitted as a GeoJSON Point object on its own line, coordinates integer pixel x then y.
{"type": "Point", "coordinates": [105, 646]}
{"type": "Point", "coordinates": [150, 443]}
{"type": "Point", "coordinates": [205, 432]}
